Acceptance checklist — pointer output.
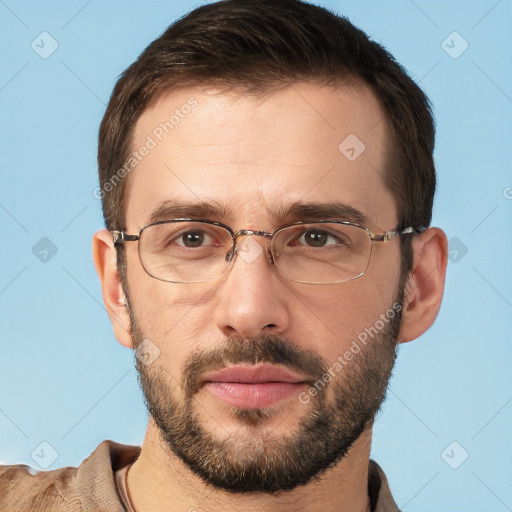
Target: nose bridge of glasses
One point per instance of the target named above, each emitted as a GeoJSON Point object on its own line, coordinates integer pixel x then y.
{"type": "Point", "coordinates": [251, 232]}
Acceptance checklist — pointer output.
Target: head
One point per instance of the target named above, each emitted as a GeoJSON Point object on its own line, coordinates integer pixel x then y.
{"type": "Point", "coordinates": [257, 115]}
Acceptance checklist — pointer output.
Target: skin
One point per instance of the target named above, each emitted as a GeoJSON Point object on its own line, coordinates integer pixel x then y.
{"type": "Point", "coordinates": [256, 155]}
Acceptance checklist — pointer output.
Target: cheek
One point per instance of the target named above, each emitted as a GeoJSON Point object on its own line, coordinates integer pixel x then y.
{"type": "Point", "coordinates": [329, 318]}
{"type": "Point", "coordinates": [166, 325]}
{"type": "Point", "coordinates": [383, 274]}
{"type": "Point", "coordinates": [172, 316]}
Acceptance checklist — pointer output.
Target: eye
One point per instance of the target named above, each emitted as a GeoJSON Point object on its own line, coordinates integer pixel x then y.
{"type": "Point", "coordinates": [193, 238]}
{"type": "Point", "coordinates": [319, 238]}
{"type": "Point", "coordinates": [185, 239]}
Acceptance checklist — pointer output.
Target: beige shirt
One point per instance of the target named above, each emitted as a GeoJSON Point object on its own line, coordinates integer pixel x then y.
{"type": "Point", "coordinates": [98, 484]}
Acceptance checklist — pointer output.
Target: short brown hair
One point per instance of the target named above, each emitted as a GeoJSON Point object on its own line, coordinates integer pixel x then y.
{"type": "Point", "coordinates": [259, 46]}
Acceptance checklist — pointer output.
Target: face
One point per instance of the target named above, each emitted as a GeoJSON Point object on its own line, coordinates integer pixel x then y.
{"type": "Point", "coordinates": [254, 387]}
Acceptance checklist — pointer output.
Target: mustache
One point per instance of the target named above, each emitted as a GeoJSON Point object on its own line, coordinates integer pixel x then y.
{"type": "Point", "coordinates": [275, 350]}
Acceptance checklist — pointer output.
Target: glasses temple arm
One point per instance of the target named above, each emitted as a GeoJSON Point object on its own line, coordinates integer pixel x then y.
{"type": "Point", "coordinates": [121, 236]}
{"type": "Point", "coordinates": [389, 235]}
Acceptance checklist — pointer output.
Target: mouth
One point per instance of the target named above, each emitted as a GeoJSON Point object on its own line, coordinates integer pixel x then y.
{"type": "Point", "coordinates": [255, 386]}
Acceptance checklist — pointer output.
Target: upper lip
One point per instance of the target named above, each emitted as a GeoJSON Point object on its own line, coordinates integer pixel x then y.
{"type": "Point", "coordinates": [254, 374]}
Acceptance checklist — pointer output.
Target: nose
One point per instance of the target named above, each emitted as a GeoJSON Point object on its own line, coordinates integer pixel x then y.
{"type": "Point", "coordinates": [253, 300]}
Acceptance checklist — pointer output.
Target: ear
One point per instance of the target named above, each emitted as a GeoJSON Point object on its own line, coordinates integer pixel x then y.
{"type": "Point", "coordinates": [105, 261]}
{"type": "Point", "coordinates": [425, 285]}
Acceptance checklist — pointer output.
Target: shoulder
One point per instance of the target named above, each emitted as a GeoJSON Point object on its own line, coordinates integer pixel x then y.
{"type": "Point", "coordinates": [91, 486]}
{"type": "Point", "coordinates": [22, 488]}
{"type": "Point", "coordinates": [378, 490]}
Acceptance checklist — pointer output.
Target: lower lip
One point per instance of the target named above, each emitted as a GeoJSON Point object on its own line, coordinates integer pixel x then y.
{"type": "Point", "coordinates": [253, 396]}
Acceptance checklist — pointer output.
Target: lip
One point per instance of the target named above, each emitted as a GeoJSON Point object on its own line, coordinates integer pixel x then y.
{"type": "Point", "coordinates": [254, 374]}
{"type": "Point", "coordinates": [255, 386]}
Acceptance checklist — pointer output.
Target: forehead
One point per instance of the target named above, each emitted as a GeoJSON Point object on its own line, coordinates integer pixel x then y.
{"type": "Point", "coordinates": [254, 156]}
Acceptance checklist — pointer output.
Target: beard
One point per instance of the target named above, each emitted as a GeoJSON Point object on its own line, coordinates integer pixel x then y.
{"type": "Point", "coordinates": [253, 459]}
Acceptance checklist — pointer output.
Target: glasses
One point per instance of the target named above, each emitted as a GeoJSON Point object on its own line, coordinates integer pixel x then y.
{"type": "Point", "coordinates": [198, 251]}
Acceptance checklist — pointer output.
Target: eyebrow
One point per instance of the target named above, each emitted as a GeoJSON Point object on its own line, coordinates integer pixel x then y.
{"type": "Point", "coordinates": [169, 210]}
{"type": "Point", "coordinates": [300, 211]}
{"type": "Point", "coordinates": [295, 212]}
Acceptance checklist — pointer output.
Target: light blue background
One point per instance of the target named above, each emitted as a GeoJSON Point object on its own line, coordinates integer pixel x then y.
{"type": "Point", "coordinates": [63, 377]}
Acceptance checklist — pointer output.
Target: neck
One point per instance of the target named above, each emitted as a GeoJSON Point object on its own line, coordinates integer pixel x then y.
{"type": "Point", "coordinates": [159, 480]}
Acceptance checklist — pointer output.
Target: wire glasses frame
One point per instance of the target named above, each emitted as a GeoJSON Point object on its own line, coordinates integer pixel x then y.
{"type": "Point", "coordinates": [345, 260]}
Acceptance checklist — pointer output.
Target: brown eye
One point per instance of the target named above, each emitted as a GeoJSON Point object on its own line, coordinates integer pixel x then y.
{"type": "Point", "coordinates": [320, 238]}
{"type": "Point", "coordinates": [315, 238]}
{"type": "Point", "coordinates": [193, 238]}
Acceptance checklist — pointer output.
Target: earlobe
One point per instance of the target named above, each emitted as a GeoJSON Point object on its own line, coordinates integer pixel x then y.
{"type": "Point", "coordinates": [105, 261]}
{"type": "Point", "coordinates": [425, 286]}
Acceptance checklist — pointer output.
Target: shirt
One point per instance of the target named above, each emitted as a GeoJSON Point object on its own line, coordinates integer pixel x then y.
{"type": "Point", "coordinates": [98, 484]}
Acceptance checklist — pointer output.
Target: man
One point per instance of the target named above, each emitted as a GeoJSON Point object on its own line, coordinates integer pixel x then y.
{"type": "Point", "coordinates": [267, 181]}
